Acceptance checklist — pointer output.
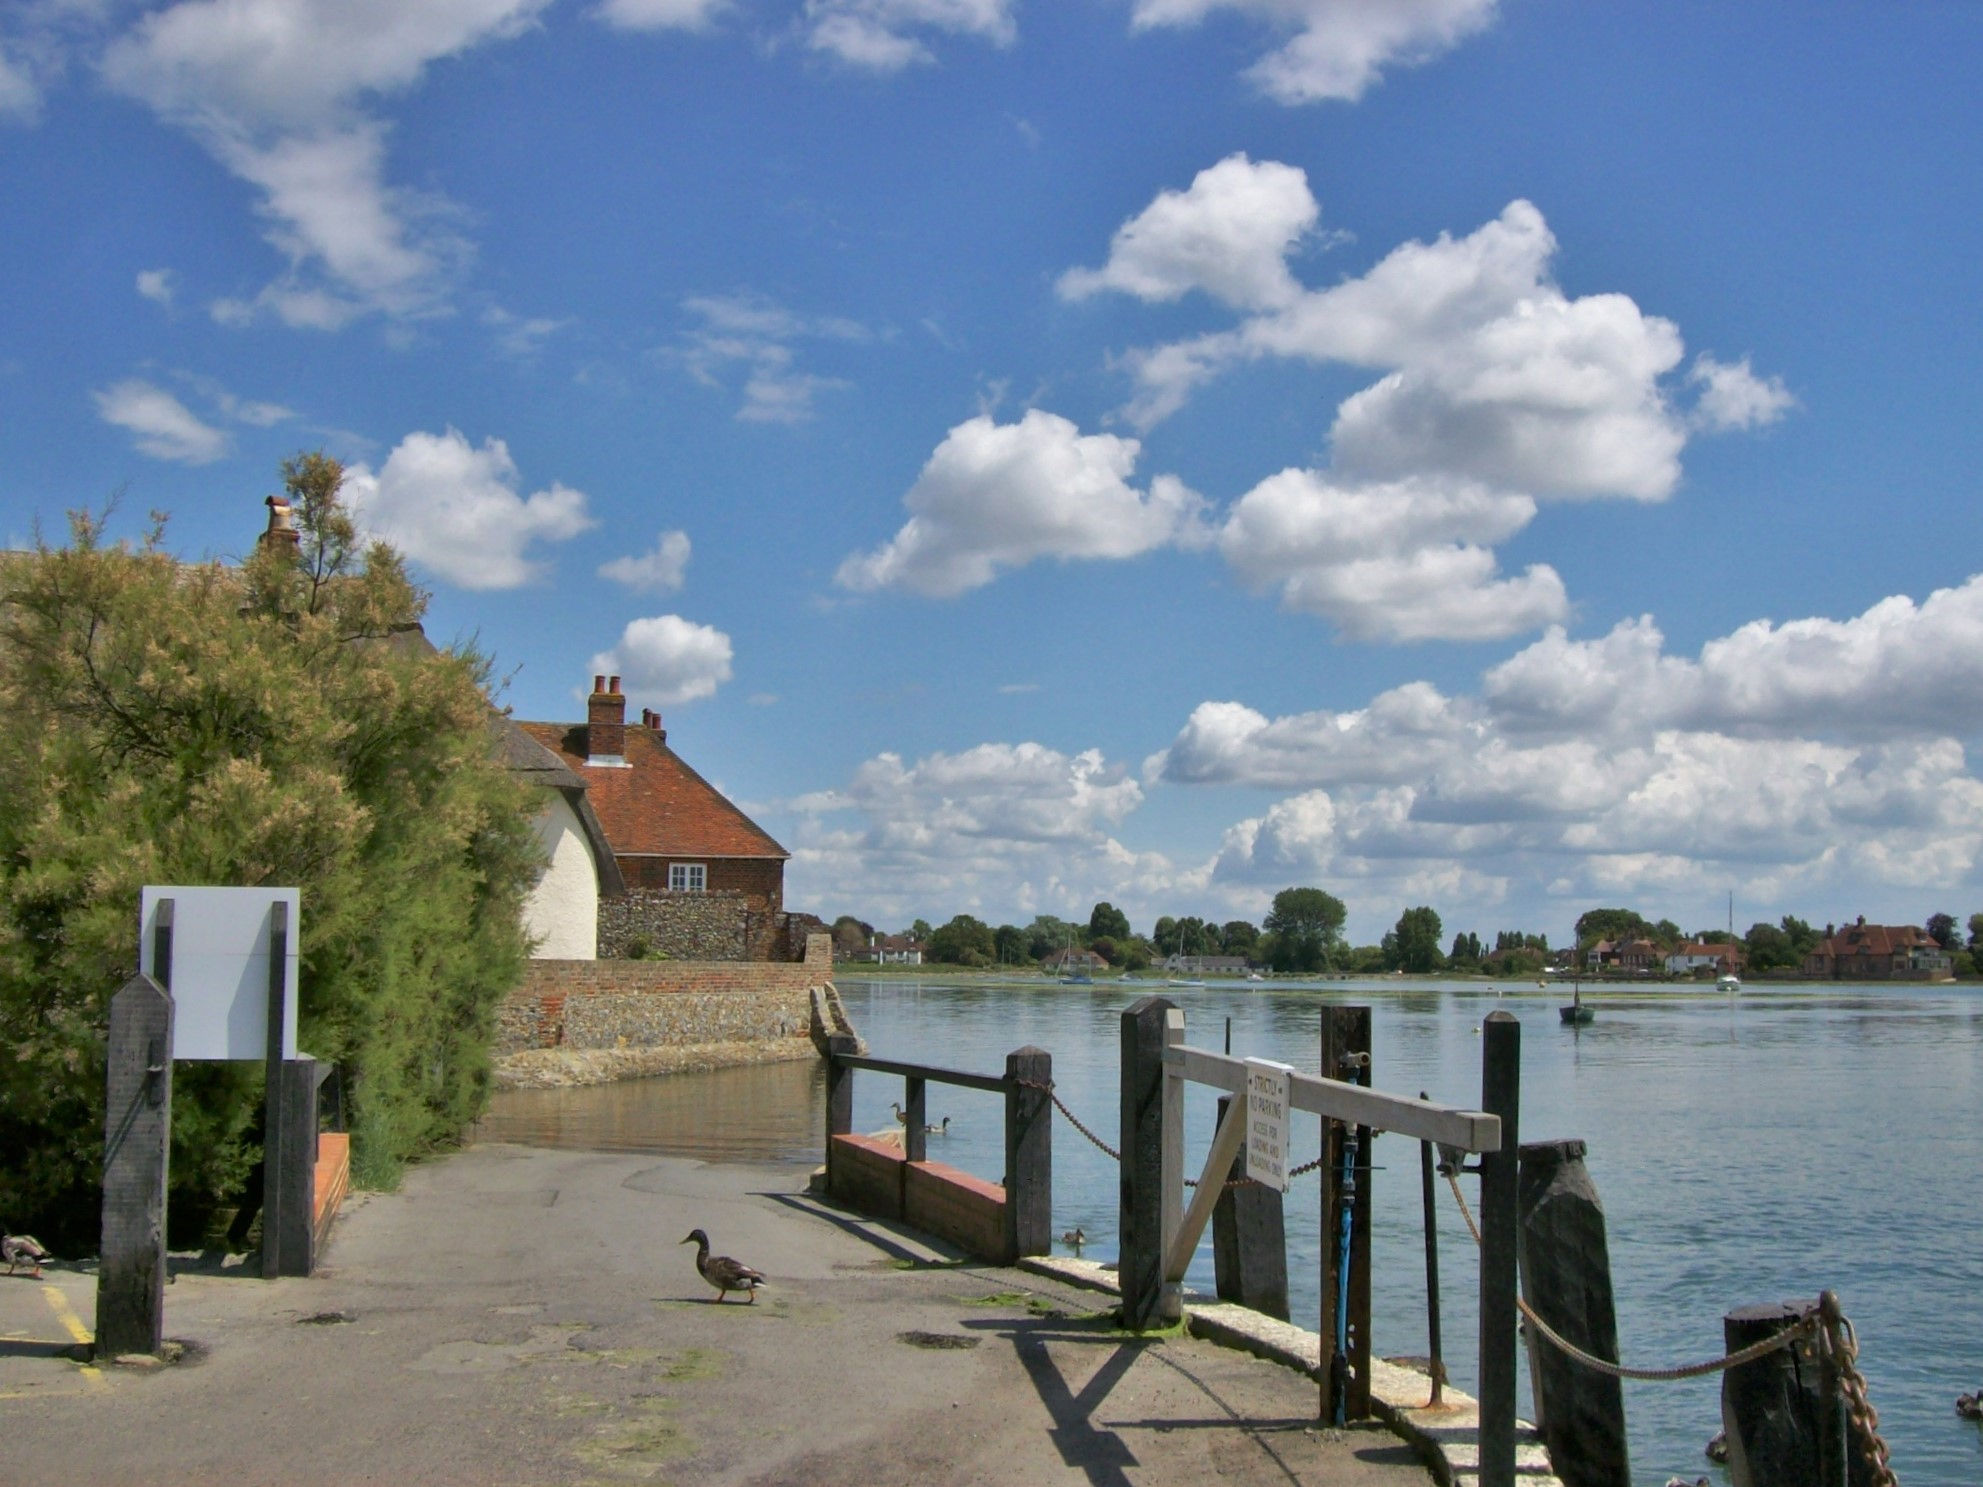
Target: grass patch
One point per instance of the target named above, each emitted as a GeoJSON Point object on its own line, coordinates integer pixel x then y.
{"type": "Point", "coordinates": [696, 1363]}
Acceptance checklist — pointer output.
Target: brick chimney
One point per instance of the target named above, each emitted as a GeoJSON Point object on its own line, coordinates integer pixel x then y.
{"type": "Point", "coordinates": [651, 720]}
{"type": "Point", "coordinates": [606, 724]}
{"type": "Point", "coordinates": [281, 533]}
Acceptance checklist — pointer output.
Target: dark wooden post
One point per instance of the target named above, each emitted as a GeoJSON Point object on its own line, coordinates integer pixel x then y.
{"type": "Point", "coordinates": [274, 1183]}
{"type": "Point", "coordinates": [1249, 1241]}
{"type": "Point", "coordinates": [1028, 1153]}
{"type": "Point", "coordinates": [295, 1243]}
{"type": "Point", "coordinates": [1566, 1278]}
{"type": "Point", "coordinates": [1782, 1414]}
{"type": "Point", "coordinates": [915, 1135]}
{"type": "Point", "coordinates": [839, 1093]}
{"type": "Point", "coordinates": [1500, 1095]}
{"type": "Point", "coordinates": [1346, 1056]}
{"type": "Point", "coordinates": [1140, 1224]}
{"type": "Point", "coordinates": [137, 1139]}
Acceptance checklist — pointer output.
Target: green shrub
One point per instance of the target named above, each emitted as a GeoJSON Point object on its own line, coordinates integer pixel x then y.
{"type": "Point", "coordinates": [279, 723]}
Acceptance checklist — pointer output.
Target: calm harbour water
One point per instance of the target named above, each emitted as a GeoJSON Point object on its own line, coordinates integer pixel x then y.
{"type": "Point", "coordinates": [1752, 1148]}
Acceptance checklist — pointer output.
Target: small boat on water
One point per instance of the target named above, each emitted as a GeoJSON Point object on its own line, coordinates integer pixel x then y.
{"type": "Point", "coordinates": [1577, 1014]}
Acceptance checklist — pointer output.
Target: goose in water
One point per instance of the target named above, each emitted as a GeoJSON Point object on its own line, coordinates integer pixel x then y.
{"type": "Point", "coordinates": [721, 1271]}
{"type": "Point", "coordinates": [942, 1130]}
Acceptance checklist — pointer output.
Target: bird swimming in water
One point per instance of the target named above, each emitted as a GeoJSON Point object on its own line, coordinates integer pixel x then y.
{"type": "Point", "coordinates": [22, 1249]}
{"type": "Point", "coordinates": [1074, 1237]}
{"type": "Point", "coordinates": [721, 1271]}
{"type": "Point", "coordinates": [1970, 1406]}
{"type": "Point", "coordinates": [942, 1130]}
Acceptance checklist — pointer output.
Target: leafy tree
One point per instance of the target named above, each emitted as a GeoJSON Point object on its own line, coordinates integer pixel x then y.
{"type": "Point", "coordinates": [919, 931]}
{"type": "Point", "coordinates": [1009, 944]}
{"type": "Point", "coordinates": [1136, 953]}
{"type": "Point", "coordinates": [1415, 941]}
{"type": "Point", "coordinates": [1163, 935]}
{"type": "Point", "coordinates": [1238, 937]}
{"type": "Point", "coordinates": [963, 941]}
{"type": "Point", "coordinates": [1107, 919]}
{"type": "Point", "coordinates": [168, 722]}
{"type": "Point", "coordinates": [1611, 924]}
{"type": "Point", "coordinates": [1666, 934]}
{"type": "Point", "coordinates": [850, 933]}
{"type": "Point", "coordinates": [1047, 935]}
{"type": "Point", "coordinates": [1941, 929]}
{"type": "Point", "coordinates": [1106, 947]}
{"type": "Point", "coordinates": [1768, 947]}
{"type": "Point", "coordinates": [1803, 939]}
{"type": "Point", "coordinates": [1194, 936]}
{"type": "Point", "coordinates": [1307, 925]}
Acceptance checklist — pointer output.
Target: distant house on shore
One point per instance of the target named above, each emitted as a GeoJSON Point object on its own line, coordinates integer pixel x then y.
{"type": "Point", "coordinates": [1878, 952]}
{"type": "Point", "coordinates": [1204, 965]}
{"type": "Point", "coordinates": [886, 950]}
{"type": "Point", "coordinates": [702, 880]}
{"type": "Point", "coordinates": [1635, 957]}
{"type": "Point", "coordinates": [1692, 956]}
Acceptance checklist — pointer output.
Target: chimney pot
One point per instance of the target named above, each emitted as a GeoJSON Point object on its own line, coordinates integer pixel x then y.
{"type": "Point", "coordinates": [613, 686]}
{"type": "Point", "coordinates": [605, 724]}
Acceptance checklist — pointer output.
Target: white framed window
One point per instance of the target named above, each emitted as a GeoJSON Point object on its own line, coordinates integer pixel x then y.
{"type": "Point", "coordinates": [687, 877]}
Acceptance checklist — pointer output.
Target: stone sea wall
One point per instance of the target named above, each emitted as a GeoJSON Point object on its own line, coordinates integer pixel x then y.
{"type": "Point", "coordinates": [579, 1021]}
{"type": "Point", "coordinates": [679, 926]}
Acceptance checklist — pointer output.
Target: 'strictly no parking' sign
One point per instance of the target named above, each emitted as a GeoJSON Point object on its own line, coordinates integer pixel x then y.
{"type": "Point", "coordinates": [1267, 1123]}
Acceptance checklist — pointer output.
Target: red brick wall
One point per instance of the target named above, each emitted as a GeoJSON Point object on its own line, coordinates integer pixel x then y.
{"type": "Point", "coordinates": [758, 879]}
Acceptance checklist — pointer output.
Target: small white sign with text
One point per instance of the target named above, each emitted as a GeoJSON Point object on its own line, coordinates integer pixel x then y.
{"type": "Point", "coordinates": [1267, 1112]}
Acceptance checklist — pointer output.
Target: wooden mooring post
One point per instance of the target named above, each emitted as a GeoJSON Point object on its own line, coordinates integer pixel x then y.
{"type": "Point", "coordinates": [1500, 1095]}
{"type": "Point", "coordinates": [1152, 1125]}
{"type": "Point", "coordinates": [1346, 1372]}
{"type": "Point", "coordinates": [1028, 1152]}
{"type": "Point", "coordinates": [1566, 1280]}
{"type": "Point", "coordinates": [1249, 1241]}
{"type": "Point", "coordinates": [1784, 1413]}
{"type": "Point", "coordinates": [137, 1140]}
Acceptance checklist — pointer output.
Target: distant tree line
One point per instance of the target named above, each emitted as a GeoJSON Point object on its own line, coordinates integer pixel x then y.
{"type": "Point", "coordinates": [1303, 933]}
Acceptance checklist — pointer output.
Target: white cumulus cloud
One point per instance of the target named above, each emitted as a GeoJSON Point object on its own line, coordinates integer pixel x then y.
{"type": "Point", "coordinates": [1229, 235]}
{"type": "Point", "coordinates": [161, 425]}
{"type": "Point", "coordinates": [886, 35]}
{"type": "Point", "coordinates": [996, 496]}
{"type": "Point", "coordinates": [1339, 48]}
{"type": "Point", "coordinates": [668, 659]}
{"type": "Point", "coordinates": [656, 572]}
{"type": "Point", "coordinates": [455, 509]}
{"type": "Point", "coordinates": [1404, 560]}
{"type": "Point", "coordinates": [1734, 397]}
{"type": "Point", "coordinates": [277, 91]}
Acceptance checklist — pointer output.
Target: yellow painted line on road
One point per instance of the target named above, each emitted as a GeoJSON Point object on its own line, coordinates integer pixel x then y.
{"type": "Point", "coordinates": [73, 1325]}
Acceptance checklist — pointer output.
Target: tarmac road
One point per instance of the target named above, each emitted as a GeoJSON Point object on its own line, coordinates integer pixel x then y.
{"type": "Point", "coordinates": [522, 1316]}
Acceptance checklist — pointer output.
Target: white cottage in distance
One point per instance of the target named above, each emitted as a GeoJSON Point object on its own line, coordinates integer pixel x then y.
{"type": "Point", "coordinates": [562, 911]}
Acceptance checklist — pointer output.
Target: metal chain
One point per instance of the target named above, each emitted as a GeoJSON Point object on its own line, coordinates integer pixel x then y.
{"type": "Point", "coordinates": [1804, 1327]}
{"type": "Point", "coordinates": [1842, 1342]}
{"type": "Point", "coordinates": [1116, 1156]}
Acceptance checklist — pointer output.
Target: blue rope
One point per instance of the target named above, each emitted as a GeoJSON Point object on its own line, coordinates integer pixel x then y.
{"type": "Point", "coordinates": [1340, 1364]}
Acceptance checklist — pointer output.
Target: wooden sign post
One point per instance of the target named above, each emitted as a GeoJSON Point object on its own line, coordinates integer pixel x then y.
{"type": "Point", "coordinates": [137, 1138]}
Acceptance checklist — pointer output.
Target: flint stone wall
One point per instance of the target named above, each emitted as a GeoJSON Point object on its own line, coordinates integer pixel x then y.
{"type": "Point", "coordinates": [616, 1004]}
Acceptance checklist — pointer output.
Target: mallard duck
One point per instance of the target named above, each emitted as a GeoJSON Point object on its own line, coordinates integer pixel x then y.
{"type": "Point", "coordinates": [1718, 1448]}
{"type": "Point", "coordinates": [901, 1115]}
{"type": "Point", "coordinates": [942, 1130]}
{"type": "Point", "coordinates": [1074, 1237]}
{"type": "Point", "coordinates": [22, 1249]}
{"type": "Point", "coordinates": [721, 1271]}
{"type": "Point", "coordinates": [1970, 1406]}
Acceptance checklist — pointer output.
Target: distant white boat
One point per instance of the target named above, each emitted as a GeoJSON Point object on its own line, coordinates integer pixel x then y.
{"type": "Point", "coordinates": [1729, 982]}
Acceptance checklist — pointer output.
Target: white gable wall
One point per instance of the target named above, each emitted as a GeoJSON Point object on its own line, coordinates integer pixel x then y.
{"type": "Point", "coordinates": [562, 911]}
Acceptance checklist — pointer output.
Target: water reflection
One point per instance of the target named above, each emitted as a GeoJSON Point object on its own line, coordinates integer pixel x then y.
{"type": "Point", "coordinates": [765, 1113]}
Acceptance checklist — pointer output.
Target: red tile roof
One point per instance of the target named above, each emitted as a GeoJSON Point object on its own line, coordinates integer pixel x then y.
{"type": "Point", "coordinates": [656, 805]}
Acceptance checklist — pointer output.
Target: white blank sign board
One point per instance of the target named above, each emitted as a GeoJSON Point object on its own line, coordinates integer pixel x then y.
{"type": "Point", "coordinates": [220, 968]}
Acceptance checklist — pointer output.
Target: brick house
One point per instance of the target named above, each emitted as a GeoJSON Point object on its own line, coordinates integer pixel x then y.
{"type": "Point", "coordinates": [1690, 956]}
{"type": "Point", "coordinates": [702, 880]}
{"type": "Point", "coordinates": [1878, 952]}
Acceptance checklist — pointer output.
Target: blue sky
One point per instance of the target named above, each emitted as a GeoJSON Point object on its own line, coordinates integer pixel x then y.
{"type": "Point", "coordinates": [1508, 455]}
